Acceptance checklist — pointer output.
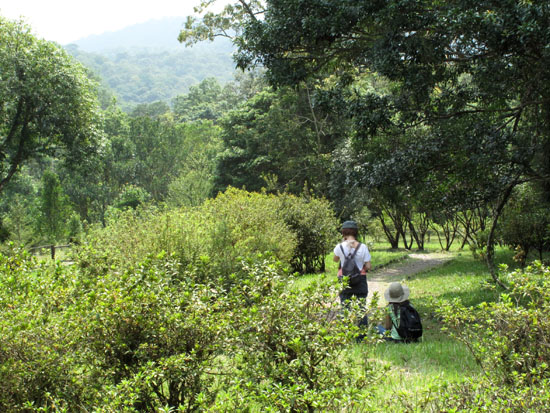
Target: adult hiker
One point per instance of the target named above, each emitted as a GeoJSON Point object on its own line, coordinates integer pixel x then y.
{"type": "Point", "coordinates": [354, 258]}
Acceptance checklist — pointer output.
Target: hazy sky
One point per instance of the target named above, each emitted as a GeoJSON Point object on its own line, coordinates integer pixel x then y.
{"type": "Point", "coordinates": [64, 21]}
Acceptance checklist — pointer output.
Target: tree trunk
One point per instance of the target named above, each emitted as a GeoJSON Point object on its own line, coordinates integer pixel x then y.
{"type": "Point", "coordinates": [419, 231]}
{"type": "Point", "coordinates": [490, 257]}
{"type": "Point", "coordinates": [393, 240]}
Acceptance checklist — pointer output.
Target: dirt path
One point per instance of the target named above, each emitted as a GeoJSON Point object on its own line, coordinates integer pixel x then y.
{"type": "Point", "coordinates": [415, 263]}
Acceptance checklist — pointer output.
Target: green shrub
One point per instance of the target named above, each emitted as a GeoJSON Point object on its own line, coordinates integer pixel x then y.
{"type": "Point", "coordinates": [131, 196]}
{"type": "Point", "coordinates": [525, 223]}
{"type": "Point", "coordinates": [299, 231]}
{"type": "Point", "coordinates": [37, 367]}
{"type": "Point", "coordinates": [243, 224]}
{"type": "Point", "coordinates": [149, 337]}
{"type": "Point", "coordinates": [292, 353]}
{"type": "Point", "coordinates": [314, 225]}
{"type": "Point", "coordinates": [186, 310]}
{"type": "Point", "coordinates": [508, 338]}
{"type": "Point", "coordinates": [209, 240]}
{"type": "Point", "coordinates": [145, 339]}
{"type": "Point", "coordinates": [473, 396]}
{"type": "Point", "coordinates": [151, 328]}
{"type": "Point", "coordinates": [236, 224]}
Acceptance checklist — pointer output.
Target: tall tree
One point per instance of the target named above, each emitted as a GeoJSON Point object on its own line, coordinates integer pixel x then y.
{"type": "Point", "coordinates": [152, 110]}
{"type": "Point", "coordinates": [195, 181]}
{"type": "Point", "coordinates": [228, 23]}
{"type": "Point", "coordinates": [277, 135]}
{"type": "Point", "coordinates": [202, 102]}
{"type": "Point", "coordinates": [93, 183]}
{"type": "Point", "coordinates": [47, 101]}
{"type": "Point", "coordinates": [54, 208]}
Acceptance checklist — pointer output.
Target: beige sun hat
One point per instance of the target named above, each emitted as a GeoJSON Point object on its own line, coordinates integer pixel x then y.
{"type": "Point", "coordinates": [397, 293]}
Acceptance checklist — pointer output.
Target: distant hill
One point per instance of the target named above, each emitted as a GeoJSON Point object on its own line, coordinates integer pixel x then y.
{"type": "Point", "coordinates": [144, 63]}
{"type": "Point", "coordinates": [154, 34]}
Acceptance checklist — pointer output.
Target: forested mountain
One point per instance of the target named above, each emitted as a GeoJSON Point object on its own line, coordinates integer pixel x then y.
{"type": "Point", "coordinates": [145, 62]}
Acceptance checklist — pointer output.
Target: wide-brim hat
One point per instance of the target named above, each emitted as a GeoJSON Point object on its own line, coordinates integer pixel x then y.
{"type": "Point", "coordinates": [397, 293]}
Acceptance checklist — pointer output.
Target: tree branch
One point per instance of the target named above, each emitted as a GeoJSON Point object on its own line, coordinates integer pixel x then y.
{"type": "Point", "coordinates": [490, 258]}
{"type": "Point", "coordinates": [248, 10]}
{"type": "Point", "coordinates": [16, 121]}
{"type": "Point", "coordinates": [19, 155]}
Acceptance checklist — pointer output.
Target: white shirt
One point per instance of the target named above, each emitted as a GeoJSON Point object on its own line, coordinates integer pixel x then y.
{"type": "Point", "coordinates": [362, 256]}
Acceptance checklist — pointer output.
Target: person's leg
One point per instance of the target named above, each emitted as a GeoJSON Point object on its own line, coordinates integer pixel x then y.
{"type": "Point", "coordinates": [364, 321]}
{"type": "Point", "coordinates": [345, 296]}
{"type": "Point", "coordinates": [382, 331]}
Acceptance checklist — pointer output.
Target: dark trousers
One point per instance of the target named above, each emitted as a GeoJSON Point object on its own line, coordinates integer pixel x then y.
{"type": "Point", "coordinates": [346, 296]}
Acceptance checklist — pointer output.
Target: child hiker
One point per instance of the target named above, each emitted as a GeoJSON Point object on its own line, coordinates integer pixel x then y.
{"type": "Point", "coordinates": [401, 319]}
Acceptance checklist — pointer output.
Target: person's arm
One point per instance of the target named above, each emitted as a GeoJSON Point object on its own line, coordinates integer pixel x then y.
{"type": "Point", "coordinates": [366, 267]}
{"type": "Point", "coordinates": [336, 258]}
{"type": "Point", "coordinates": [387, 322]}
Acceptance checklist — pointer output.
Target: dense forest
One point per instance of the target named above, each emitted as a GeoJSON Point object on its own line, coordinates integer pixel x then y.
{"type": "Point", "coordinates": [193, 203]}
{"type": "Point", "coordinates": [145, 63]}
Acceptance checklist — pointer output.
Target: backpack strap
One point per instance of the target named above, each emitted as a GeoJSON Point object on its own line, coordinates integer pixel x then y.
{"type": "Point", "coordinates": [393, 315]}
{"type": "Point", "coordinates": [356, 249]}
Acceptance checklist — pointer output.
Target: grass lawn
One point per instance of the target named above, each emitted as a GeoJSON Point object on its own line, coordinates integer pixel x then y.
{"type": "Point", "coordinates": [437, 358]}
